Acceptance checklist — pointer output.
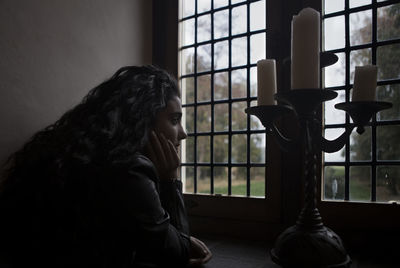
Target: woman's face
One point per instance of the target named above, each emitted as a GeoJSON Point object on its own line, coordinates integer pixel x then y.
{"type": "Point", "coordinates": [168, 122]}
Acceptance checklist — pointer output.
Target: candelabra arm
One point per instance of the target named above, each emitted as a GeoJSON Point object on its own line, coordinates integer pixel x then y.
{"type": "Point", "coordinates": [286, 144]}
{"type": "Point", "coordinates": [331, 146]}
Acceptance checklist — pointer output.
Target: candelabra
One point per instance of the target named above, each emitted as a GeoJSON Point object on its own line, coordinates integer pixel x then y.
{"type": "Point", "coordinates": [309, 243]}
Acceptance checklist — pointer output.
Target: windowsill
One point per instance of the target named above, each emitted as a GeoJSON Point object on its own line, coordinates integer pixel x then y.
{"type": "Point", "coordinates": [243, 253]}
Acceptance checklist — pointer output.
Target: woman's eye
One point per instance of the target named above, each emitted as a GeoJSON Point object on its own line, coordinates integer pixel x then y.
{"type": "Point", "coordinates": [175, 121]}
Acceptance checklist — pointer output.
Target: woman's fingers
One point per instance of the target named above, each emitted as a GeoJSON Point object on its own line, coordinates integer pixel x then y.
{"type": "Point", "coordinates": [164, 156]}
{"type": "Point", "coordinates": [200, 252]}
{"type": "Point", "coordinates": [158, 150]}
{"type": "Point", "coordinates": [165, 147]}
{"type": "Point", "coordinates": [151, 154]}
{"type": "Point", "coordinates": [173, 155]}
{"type": "Point", "coordinates": [195, 262]}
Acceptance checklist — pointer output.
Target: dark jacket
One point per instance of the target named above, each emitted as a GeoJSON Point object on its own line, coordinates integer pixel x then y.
{"type": "Point", "coordinates": [102, 217]}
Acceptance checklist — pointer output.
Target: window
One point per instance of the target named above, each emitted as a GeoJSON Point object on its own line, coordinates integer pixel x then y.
{"type": "Point", "coordinates": [264, 217]}
{"type": "Point", "coordinates": [368, 167]}
{"type": "Point", "coordinates": [220, 44]}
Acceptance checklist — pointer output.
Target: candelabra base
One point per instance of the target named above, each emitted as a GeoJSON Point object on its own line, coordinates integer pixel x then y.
{"type": "Point", "coordinates": [318, 247]}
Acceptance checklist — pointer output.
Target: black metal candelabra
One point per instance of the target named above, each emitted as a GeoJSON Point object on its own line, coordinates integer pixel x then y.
{"type": "Point", "coordinates": [309, 243]}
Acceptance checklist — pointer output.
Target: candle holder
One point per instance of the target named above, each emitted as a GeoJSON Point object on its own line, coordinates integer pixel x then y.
{"type": "Point", "coordinates": [309, 243]}
{"type": "Point", "coordinates": [362, 111]}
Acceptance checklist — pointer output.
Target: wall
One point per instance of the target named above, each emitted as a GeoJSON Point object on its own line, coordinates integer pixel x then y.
{"type": "Point", "coordinates": [52, 52]}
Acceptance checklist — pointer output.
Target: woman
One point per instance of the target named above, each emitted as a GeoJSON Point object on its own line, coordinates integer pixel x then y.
{"type": "Point", "coordinates": [99, 187]}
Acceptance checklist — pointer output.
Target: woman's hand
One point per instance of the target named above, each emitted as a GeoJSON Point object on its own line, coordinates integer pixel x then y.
{"type": "Point", "coordinates": [163, 155]}
{"type": "Point", "coordinates": [199, 252]}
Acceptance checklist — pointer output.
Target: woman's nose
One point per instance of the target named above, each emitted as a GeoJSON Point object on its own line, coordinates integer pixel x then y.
{"type": "Point", "coordinates": [182, 133]}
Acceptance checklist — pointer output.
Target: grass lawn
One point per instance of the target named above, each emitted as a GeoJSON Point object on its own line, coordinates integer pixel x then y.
{"type": "Point", "coordinates": [257, 188]}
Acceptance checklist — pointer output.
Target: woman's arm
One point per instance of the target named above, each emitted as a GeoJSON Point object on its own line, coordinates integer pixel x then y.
{"type": "Point", "coordinates": [166, 160]}
{"type": "Point", "coordinates": [157, 240]}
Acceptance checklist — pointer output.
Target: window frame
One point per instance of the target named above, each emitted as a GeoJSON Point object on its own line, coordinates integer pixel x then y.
{"type": "Point", "coordinates": [261, 218]}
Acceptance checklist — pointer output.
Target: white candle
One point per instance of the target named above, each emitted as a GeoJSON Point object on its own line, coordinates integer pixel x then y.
{"type": "Point", "coordinates": [305, 49]}
{"type": "Point", "coordinates": [365, 83]}
{"type": "Point", "coordinates": [266, 82]}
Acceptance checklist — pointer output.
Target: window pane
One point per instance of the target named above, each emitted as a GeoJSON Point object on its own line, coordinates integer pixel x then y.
{"type": "Point", "coordinates": [253, 81]}
{"type": "Point", "coordinates": [255, 123]}
{"type": "Point", "coordinates": [187, 66]}
{"type": "Point", "coordinates": [203, 118]}
{"type": "Point", "coordinates": [334, 75]}
{"type": "Point", "coordinates": [221, 24]}
{"type": "Point", "coordinates": [239, 149]}
{"type": "Point", "coordinates": [257, 16]}
{"type": "Point", "coordinates": [361, 27]}
{"type": "Point", "coordinates": [188, 153]}
{"type": "Point", "coordinates": [388, 62]}
{"type": "Point", "coordinates": [203, 5]}
{"type": "Point", "coordinates": [359, 58]}
{"type": "Point", "coordinates": [221, 117]}
{"type": "Point", "coordinates": [221, 180]}
{"type": "Point", "coordinates": [204, 28]}
{"type": "Point", "coordinates": [360, 183]}
{"type": "Point", "coordinates": [239, 83]}
{"type": "Point", "coordinates": [388, 184]}
{"type": "Point", "coordinates": [220, 3]}
{"type": "Point", "coordinates": [257, 181]}
{"type": "Point", "coordinates": [221, 147]}
{"type": "Point", "coordinates": [331, 6]}
{"type": "Point", "coordinates": [189, 118]}
{"type": "Point", "coordinates": [203, 149]}
{"type": "Point", "coordinates": [204, 88]}
{"type": "Point", "coordinates": [221, 55]}
{"type": "Point", "coordinates": [204, 58]}
{"type": "Point", "coordinates": [188, 179]}
{"type": "Point", "coordinates": [237, 1]}
{"type": "Point", "coordinates": [188, 7]}
{"type": "Point", "coordinates": [334, 33]}
{"type": "Point", "coordinates": [331, 134]}
{"type": "Point", "coordinates": [187, 86]}
{"type": "Point", "coordinates": [357, 3]}
{"type": "Point", "coordinates": [390, 93]}
{"type": "Point", "coordinates": [239, 20]}
{"type": "Point", "coordinates": [257, 47]}
{"type": "Point", "coordinates": [221, 91]}
{"type": "Point", "coordinates": [257, 148]}
{"type": "Point", "coordinates": [203, 180]}
{"type": "Point", "coordinates": [333, 115]}
{"type": "Point", "coordinates": [239, 51]}
{"type": "Point", "coordinates": [334, 183]}
{"type": "Point", "coordinates": [188, 32]}
{"type": "Point", "coordinates": [239, 185]}
{"type": "Point", "coordinates": [239, 117]}
{"type": "Point", "coordinates": [386, 23]}
{"type": "Point", "coordinates": [388, 142]}
{"type": "Point", "coordinates": [360, 145]}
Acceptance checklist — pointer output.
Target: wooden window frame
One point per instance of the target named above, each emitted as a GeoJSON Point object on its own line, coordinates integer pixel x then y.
{"type": "Point", "coordinates": [265, 218]}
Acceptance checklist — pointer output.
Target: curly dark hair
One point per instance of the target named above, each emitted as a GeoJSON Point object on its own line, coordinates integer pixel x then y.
{"type": "Point", "coordinates": [46, 183]}
{"type": "Point", "coordinates": [108, 127]}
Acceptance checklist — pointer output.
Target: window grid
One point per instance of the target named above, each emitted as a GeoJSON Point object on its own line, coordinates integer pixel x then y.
{"type": "Point", "coordinates": [230, 100]}
{"type": "Point", "coordinates": [374, 163]}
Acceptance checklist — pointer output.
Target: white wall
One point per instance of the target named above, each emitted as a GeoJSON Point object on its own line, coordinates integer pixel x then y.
{"type": "Point", "coordinates": [52, 52]}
